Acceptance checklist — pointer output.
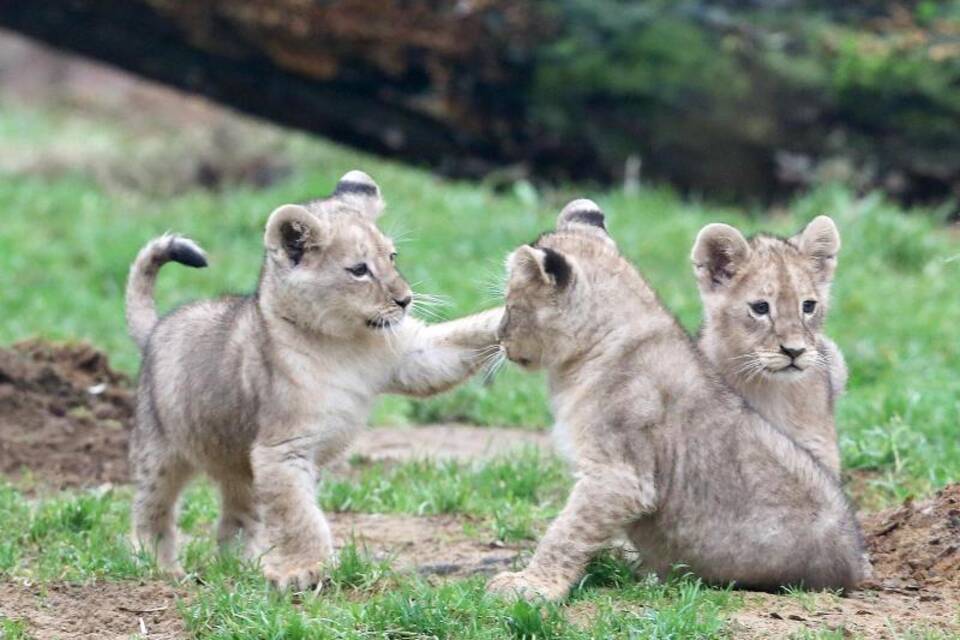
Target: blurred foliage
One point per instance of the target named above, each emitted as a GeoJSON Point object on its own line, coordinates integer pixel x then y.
{"type": "Point", "coordinates": [754, 97]}
{"type": "Point", "coordinates": [740, 99]}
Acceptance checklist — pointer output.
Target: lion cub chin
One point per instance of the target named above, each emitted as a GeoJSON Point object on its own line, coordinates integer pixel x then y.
{"type": "Point", "coordinates": [664, 450]}
{"type": "Point", "coordinates": [765, 301]}
{"type": "Point", "coordinates": [257, 391]}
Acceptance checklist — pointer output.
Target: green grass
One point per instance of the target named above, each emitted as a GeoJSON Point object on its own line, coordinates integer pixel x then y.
{"type": "Point", "coordinates": [66, 243]}
{"type": "Point", "coordinates": [511, 494]}
{"type": "Point", "coordinates": [82, 537]}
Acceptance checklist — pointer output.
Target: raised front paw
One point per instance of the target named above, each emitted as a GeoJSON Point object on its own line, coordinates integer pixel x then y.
{"type": "Point", "coordinates": [515, 585]}
{"type": "Point", "coordinates": [295, 576]}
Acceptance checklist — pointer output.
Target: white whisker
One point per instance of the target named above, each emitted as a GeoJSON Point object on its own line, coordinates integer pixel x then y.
{"type": "Point", "coordinates": [425, 312]}
{"type": "Point", "coordinates": [432, 299]}
{"type": "Point", "coordinates": [494, 364]}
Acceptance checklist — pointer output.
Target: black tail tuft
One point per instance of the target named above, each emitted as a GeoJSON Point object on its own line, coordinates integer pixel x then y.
{"type": "Point", "coordinates": [185, 252]}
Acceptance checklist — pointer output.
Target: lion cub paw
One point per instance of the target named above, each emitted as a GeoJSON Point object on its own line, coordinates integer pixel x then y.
{"type": "Point", "coordinates": [517, 585]}
{"type": "Point", "coordinates": [295, 577]}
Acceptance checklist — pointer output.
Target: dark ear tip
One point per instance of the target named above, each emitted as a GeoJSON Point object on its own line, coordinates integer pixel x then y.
{"type": "Point", "coordinates": [356, 182]}
{"type": "Point", "coordinates": [582, 211]}
{"type": "Point", "coordinates": [580, 204]}
{"type": "Point", "coordinates": [556, 265]}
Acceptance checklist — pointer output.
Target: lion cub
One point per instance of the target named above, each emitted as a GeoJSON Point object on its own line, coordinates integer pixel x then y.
{"type": "Point", "coordinates": [664, 451]}
{"type": "Point", "coordinates": [765, 301]}
{"type": "Point", "coordinates": [257, 391]}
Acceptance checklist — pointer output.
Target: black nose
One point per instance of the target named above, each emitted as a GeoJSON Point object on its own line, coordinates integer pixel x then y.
{"type": "Point", "coordinates": [403, 303]}
{"type": "Point", "coordinates": [792, 353]}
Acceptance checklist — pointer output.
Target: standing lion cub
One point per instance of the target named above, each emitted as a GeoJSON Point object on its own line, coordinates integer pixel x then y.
{"type": "Point", "coordinates": [664, 450]}
{"type": "Point", "coordinates": [257, 391]}
{"type": "Point", "coordinates": [765, 302]}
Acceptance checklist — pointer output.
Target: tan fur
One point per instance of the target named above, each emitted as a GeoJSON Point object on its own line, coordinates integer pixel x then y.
{"type": "Point", "coordinates": [663, 450]}
{"type": "Point", "coordinates": [752, 351]}
{"type": "Point", "coordinates": [259, 391]}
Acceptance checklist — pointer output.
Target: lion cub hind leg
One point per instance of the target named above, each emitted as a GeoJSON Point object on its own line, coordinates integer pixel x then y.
{"type": "Point", "coordinates": [601, 505]}
{"type": "Point", "coordinates": [160, 477]}
{"type": "Point", "coordinates": [239, 519]}
{"type": "Point", "coordinates": [299, 546]}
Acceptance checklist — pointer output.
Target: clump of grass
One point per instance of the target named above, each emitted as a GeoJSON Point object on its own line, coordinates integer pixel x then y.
{"type": "Point", "coordinates": [607, 569]}
{"type": "Point", "coordinates": [533, 621]}
{"type": "Point", "coordinates": [356, 571]}
{"type": "Point", "coordinates": [13, 629]}
{"type": "Point", "coordinates": [514, 492]}
{"type": "Point", "coordinates": [72, 537]}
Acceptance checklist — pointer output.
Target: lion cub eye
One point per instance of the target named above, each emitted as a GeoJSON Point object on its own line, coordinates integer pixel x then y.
{"type": "Point", "coordinates": [760, 308]}
{"type": "Point", "coordinates": [359, 270]}
{"type": "Point", "coordinates": [393, 257]}
{"type": "Point", "coordinates": [809, 306]}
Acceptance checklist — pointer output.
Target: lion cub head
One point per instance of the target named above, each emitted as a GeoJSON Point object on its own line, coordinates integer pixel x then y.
{"type": "Point", "coordinates": [328, 268]}
{"type": "Point", "coordinates": [560, 288]}
{"type": "Point", "coordinates": [765, 300]}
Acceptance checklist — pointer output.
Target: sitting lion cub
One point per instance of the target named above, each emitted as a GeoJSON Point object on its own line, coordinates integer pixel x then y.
{"type": "Point", "coordinates": [259, 390]}
{"type": "Point", "coordinates": [664, 451]}
{"type": "Point", "coordinates": [765, 301]}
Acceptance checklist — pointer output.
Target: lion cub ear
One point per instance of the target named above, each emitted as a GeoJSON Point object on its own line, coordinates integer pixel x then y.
{"type": "Point", "coordinates": [292, 231]}
{"type": "Point", "coordinates": [358, 189]}
{"type": "Point", "coordinates": [718, 254]}
{"type": "Point", "coordinates": [820, 241]}
{"type": "Point", "coordinates": [542, 266]}
{"type": "Point", "coordinates": [583, 215]}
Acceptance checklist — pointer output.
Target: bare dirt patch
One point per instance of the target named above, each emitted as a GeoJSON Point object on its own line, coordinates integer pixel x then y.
{"type": "Point", "coordinates": [444, 442]}
{"type": "Point", "coordinates": [863, 614]}
{"type": "Point", "coordinates": [95, 610]}
{"type": "Point", "coordinates": [64, 415]}
{"type": "Point", "coordinates": [432, 545]}
{"type": "Point", "coordinates": [916, 547]}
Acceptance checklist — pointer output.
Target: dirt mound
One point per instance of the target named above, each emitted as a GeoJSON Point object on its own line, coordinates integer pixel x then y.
{"type": "Point", "coordinates": [917, 546]}
{"type": "Point", "coordinates": [95, 610]}
{"type": "Point", "coordinates": [64, 415]}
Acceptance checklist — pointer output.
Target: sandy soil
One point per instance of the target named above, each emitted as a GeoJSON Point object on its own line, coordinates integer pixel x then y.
{"type": "Point", "coordinates": [867, 614]}
{"type": "Point", "coordinates": [457, 442]}
{"type": "Point", "coordinates": [431, 545]}
{"type": "Point", "coordinates": [94, 611]}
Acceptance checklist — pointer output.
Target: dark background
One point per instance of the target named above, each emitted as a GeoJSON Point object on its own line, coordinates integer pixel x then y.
{"type": "Point", "coordinates": [744, 101]}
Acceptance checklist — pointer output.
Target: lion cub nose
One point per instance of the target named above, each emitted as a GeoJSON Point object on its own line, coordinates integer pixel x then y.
{"type": "Point", "coordinates": [792, 353]}
{"type": "Point", "coordinates": [403, 303]}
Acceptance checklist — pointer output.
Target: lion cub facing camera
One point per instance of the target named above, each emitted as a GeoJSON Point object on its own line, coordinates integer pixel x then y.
{"type": "Point", "coordinates": [664, 450]}
{"type": "Point", "coordinates": [765, 301]}
{"type": "Point", "coordinates": [257, 391]}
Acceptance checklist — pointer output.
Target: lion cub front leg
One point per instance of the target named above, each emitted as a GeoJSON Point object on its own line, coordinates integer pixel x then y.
{"type": "Point", "coordinates": [600, 506]}
{"type": "Point", "coordinates": [296, 536]}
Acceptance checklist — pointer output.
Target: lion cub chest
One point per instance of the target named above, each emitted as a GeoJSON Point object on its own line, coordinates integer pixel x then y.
{"type": "Point", "coordinates": [332, 391]}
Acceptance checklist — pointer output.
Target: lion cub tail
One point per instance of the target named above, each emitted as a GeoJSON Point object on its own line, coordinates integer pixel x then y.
{"type": "Point", "coordinates": [141, 311]}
